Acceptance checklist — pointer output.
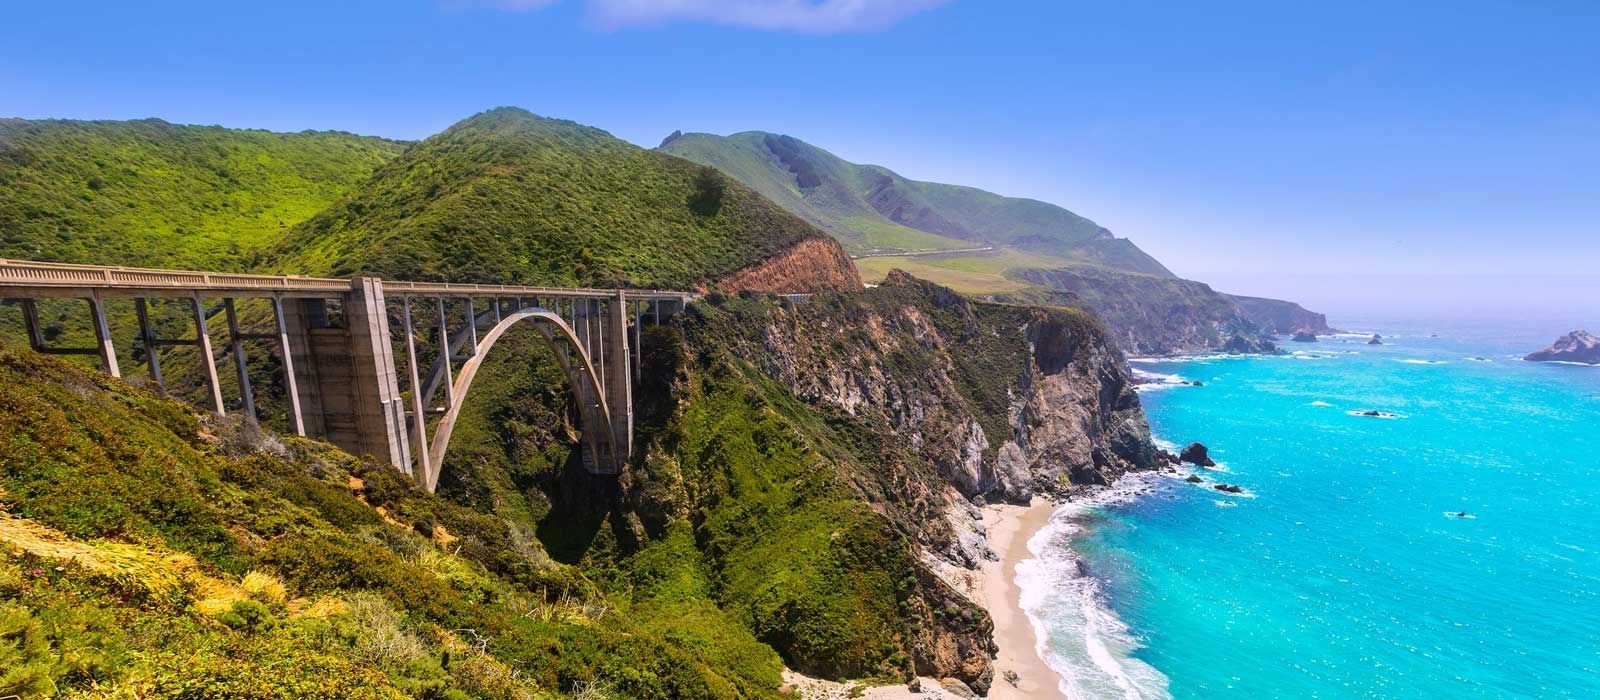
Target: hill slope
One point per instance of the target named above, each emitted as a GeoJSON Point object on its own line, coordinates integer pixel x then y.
{"type": "Point", "coordinates": [164, 195]}
{"type": "Point", "coordinates": [507, 196]}
{"type": "Point", "coordinates": [870, 207]}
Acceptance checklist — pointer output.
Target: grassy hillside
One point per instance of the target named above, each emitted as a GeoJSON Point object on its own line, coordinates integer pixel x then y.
{"type": "Point", "coordinates": [507, 196]}
{"type": "Point", "coordinates": [157, 194]}
{"type": "Point", "coordinates": [209, 560]}
{"type": "Point", "coordinates": [869, 207]}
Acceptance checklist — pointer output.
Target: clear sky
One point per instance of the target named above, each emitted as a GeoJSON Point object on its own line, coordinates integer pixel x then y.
{"type": "Point", "coordinates": [1266, 147]}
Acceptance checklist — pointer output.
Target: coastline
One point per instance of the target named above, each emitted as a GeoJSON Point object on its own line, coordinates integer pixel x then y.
{"type": "Point", "coordinates": [993, 586]}
{"type": "Point", "coordinates": [1010, 527]}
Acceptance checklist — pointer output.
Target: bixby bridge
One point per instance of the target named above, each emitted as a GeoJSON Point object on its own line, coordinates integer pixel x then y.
{"type": "Point", "coordinates": [337, 342]}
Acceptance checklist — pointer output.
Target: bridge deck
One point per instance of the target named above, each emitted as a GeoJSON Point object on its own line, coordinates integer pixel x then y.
{"type": "Point", "coordinates": [44, 279]}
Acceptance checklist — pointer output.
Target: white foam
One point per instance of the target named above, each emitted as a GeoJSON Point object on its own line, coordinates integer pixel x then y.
{"type": "Point", "coordinates": [1150, 381]}
{"type": "Point", "coordinates": [1415, 361]}
{"type": "Point", "coordinates": [1081, 637]}
{"type": "Point", "coordinates": [1321, 404]}
{"type": "Point", "coordinates": [1562, 362]}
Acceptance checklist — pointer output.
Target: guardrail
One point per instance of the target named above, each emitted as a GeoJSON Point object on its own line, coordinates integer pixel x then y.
{"type": "Point", "coordinates": [71, 280]}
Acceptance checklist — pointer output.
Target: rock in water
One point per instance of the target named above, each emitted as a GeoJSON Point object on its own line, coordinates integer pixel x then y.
{"type": "Point", "coordinates": [1304, 336]}
{"type": "Point", "coordinates": [1241, 344]}
{"type": "Point", "coordinates": [1577, 346]}
{"type": "Point", "coordinates": [1229, 488]}
{"type": "Point", "coordinates": [1197, 453]}
{"type": "Point", "coordinates": [1376, 340]}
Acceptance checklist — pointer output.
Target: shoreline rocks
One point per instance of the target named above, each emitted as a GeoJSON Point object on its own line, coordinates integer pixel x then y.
{"type": "Point", "coordinates": [1196, 453]}
{"type": "Point", "coordinates": [1304, 336]}
{"type": "Point", "coordinates": [1578, 346]}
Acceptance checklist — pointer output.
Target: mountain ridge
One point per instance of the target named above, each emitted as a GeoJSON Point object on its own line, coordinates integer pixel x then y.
{"type": "Point", "coordinates": [872, 207]}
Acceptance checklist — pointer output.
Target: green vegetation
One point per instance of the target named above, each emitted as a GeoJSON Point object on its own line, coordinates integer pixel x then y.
{"type": "Point", "coordinates": [510, 197]}
{"type": "Point", "coordinates": [869, 207]}
{"type": "Point", "coordinates": [156, 194]}
{"type": "Point", "coordinates": [215, 560]}
{"type": "Point", "coordinates": [210, 560]}
{"type": "Point", "coordinates": [971, 273]}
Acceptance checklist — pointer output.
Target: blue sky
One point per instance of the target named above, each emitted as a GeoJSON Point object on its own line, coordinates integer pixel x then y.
{"type": "Point", "coordinates": [1265, 147]}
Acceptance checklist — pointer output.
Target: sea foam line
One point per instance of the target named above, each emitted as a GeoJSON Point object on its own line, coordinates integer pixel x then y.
{"type": "Point", "coordinates": [1093, 647]}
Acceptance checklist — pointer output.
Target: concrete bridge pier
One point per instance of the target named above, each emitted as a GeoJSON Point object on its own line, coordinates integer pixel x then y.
{"type": "Point", "coordinates": [345, 377]}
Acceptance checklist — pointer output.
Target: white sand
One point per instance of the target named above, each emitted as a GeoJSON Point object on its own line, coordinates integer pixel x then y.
{"type": "Point", "coordinates": [994, 587]}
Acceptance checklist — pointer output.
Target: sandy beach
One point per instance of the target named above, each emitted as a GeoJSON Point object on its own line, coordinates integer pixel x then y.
{"type": "Point", "coordinates": [994, 587]}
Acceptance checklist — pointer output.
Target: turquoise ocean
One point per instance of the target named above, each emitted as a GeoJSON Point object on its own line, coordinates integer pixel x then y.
{"type": "Point", "coordinates": [1345, 569]}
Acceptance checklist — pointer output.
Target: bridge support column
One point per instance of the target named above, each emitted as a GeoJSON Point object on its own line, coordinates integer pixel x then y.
{"type": "Point", "coordinates": [378, 411]}
{"type": "Point", "coordinates": [346, 378]}
{"type": "Point", "coordinates": [618, 384]}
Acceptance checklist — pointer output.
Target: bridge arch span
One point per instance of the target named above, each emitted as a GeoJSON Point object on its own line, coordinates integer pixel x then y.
{"type": "Point", "coordinates": [594, 415]}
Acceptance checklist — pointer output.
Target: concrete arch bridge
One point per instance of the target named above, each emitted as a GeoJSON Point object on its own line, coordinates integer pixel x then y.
{"type": "Point", "coordinates": [337, 340]}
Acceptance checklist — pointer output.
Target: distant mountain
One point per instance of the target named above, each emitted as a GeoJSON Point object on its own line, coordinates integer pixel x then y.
{"type": "Point", "coordinates": [871, 208]}
{"type": "Point", "coordinates": [151, 193]}
{"type": "Point", "coordinates": [1070, 259]}
{"type": "Point", "coordinates": [508, 196]}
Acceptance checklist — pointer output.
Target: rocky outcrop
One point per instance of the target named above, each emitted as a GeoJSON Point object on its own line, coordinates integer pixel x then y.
{"type": "Point", "coordinates": [813, 265]}
{"type": "Point", "coordinates": [1196, 453]}
{"type": "Point", "coordinates": [1376, 340]}
{"type": "Point", "coordinates": [1150, 315]}
{"type": "Point", "coordinates": [1004, 401]}
{"type": "Point", "coordinates": [1241, 344]}
{"type": "Point", "coordinates": [1577, 346]}
{"type": "Point", "coordinates": [1280, 317]}
{"type": "Point", "coordinates": [1304, 336]}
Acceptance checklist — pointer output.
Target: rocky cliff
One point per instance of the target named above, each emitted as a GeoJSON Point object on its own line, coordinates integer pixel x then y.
{"type": "Point", "coordinates": [909, 399]}
{"type": "Point", "coordinates": [1149, 315]}
{"type": "Point", "coordinates": [812, 265]}
{"type": "Point", "coordinates": [1280, 317]}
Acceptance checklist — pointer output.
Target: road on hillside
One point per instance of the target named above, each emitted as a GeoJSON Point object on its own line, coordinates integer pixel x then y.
{"type": "Point", "coordinates": [913, 254]}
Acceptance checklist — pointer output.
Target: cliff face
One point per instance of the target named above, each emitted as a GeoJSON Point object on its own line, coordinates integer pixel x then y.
{"type": "Point", "coordinates": [906, 400]}
{"type": "Point", "coordinates": [812, 265]}
{"type": "Point", "coordinates": [1003, 401]}
{"type": "Point", "coordinates": [1280, 317]}
{"type": "Point", "coordinates": [1149, 315]}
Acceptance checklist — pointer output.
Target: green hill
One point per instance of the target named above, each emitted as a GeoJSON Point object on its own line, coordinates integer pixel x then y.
{"type": "Point", "coordinates": [872, 208]}
{"type": "Point", "coordinates": [507, 196]}
{"type": "Point", "coordinates": [156, 194]}
{"type": "Point", "coordinates": [210, 560]}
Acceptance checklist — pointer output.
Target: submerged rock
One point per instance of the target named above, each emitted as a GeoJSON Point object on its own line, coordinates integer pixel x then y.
{"type": "Point", "coordinates": [1196, 453]}
{"type": "Point", "coordinates": [1577, 346]}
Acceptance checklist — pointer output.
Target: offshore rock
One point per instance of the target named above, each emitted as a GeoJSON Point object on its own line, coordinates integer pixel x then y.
{"type": "Point", "coordinates": [1196, 453]}
{"type": "Point", "coordinates": [1577, 346]}
{"type": "Point", "coordinates": [1304, 336]}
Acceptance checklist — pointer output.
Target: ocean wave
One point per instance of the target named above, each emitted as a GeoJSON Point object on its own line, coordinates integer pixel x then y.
{"type": "Point", "coordinates": [1081, 637]}
{"type": "Point", "coordinates": [1416, 361]}
{"type": "Point", "coordinates": [1320, 404]}
{"type": "Point", "coordinates": [1149, 381]}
